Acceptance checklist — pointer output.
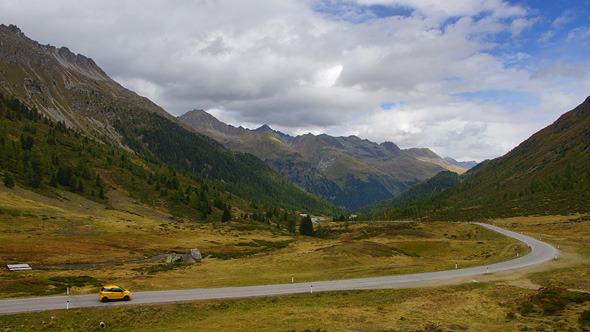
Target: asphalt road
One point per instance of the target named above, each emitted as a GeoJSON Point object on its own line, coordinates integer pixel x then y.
{"type": "Point", "coordinates": [541, 252]}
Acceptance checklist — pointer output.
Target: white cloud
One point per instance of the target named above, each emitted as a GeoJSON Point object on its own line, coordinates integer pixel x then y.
{"type": "Point", "coordinates": [300, 70]}
{"type": "Point", "coordinates": [453, 8]}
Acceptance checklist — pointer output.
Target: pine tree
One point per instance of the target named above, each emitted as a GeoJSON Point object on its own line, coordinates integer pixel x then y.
{"type": "Point", "coordinates": [306, 226]}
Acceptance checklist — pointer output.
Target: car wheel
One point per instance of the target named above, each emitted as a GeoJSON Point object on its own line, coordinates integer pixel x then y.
{"type": "Point", "coordinates": [126, 298]}
{"type": "Point", "coordinates": [104, 300]}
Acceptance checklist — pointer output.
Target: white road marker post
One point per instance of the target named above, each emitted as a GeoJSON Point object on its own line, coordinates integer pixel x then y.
{"type": "Point", "coordinates": [487, 270]}
{"type": "Point", "coordinates": [292, 280]}
{"type": "Point", "coordinates": [516, 254]}
{"type": "Point", "coordinates": [68, 291]}
{"type": "Point", "coordinates": [68, 305]}
{"type": "Point", "coordinates": [455, 265]}
{"type": "Point", "coordinates": [311, 289]}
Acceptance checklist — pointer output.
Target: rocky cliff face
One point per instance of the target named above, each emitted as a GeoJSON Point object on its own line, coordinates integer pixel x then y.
{"type": "Point", "coordinates": [36, 56]}
{"type": "Point", "coordinates": [66, 87]}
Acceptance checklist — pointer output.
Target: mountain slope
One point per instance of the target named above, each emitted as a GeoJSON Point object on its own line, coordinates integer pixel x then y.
{"type": "Point", "coordinates": [549, 173]}
{"type": "Point", "coordinates": [348, 171]}
{"type": "Point", "coordinates": [71, 89]}
{"type": "Point", "coordinates": [64, 86]}
{"type": "Point", "coordinates": [287, 162]}
{"type": "Point", "coordinates": [429, 187]}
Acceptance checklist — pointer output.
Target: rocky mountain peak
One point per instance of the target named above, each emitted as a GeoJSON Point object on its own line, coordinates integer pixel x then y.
{"type": "Point", "coordinates": [65, 86]}
{"type": "Point", "coordinates": [37, 54]}
{"type": "Point", "coordinates": [204, 122]}
{"type": "Point", "coordinates": [264, 127]}
{"type": "Point", "coordinates": [274, 133]}
{"type": "Point", "coordinates": [390, 146]}
{"type": "Point", "coordinates": [14, 29]}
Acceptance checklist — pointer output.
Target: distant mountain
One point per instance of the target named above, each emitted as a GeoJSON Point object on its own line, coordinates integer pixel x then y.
{"type": "Point", "coordinates": [73, 91]}
{"type": "Point", "coordinates": [549, 173]}
{"type": "Point", "coordinates": [464, 164]}
{"type": "Point", "coordinates": [289, 163]}
{"type": "Point", "coordinates": [349, 171]}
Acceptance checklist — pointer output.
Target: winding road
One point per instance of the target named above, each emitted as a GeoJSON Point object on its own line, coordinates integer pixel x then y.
{"type": "Point", "coordinates": [540, 252]}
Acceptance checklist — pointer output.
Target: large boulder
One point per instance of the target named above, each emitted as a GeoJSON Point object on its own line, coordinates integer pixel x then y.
{"type": "Point", "coordinates": [192, 256]}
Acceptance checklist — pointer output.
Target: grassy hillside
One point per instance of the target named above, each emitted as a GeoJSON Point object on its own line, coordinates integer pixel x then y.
{"type": "Point", "coordinates": [50, 158]}
{"type": "Point", "coordinates": [549, 173]}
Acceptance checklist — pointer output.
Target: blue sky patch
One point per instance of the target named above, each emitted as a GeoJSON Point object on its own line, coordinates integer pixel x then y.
{"type": "Point", "coordinates": [352, 12]}
{"type": "Point", "coordinates": [511, 100]}
{"type": "Point", "coordinates": [391, 104]}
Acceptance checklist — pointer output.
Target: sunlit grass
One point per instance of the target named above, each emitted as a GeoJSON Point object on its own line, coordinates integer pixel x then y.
{"type": "Point", "coordinates": [72, 230]}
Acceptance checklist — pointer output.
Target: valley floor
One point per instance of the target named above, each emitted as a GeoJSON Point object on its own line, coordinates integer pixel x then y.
{"type": "Point", "coordinates": [70, 230]}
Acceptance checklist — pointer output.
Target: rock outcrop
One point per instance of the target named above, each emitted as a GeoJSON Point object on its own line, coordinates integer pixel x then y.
{"type": "Point", "coordinates": [192, 256]}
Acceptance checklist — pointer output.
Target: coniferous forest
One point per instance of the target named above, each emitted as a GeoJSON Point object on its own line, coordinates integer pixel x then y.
{"type": "Point", "coordinates": [170, 167]}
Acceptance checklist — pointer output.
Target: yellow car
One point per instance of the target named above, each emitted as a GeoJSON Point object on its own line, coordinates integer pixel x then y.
{"type": "Point", "coordinates": [112, 292]}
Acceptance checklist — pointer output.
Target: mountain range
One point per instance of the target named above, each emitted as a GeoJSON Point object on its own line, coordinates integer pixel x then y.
{"type": "Point", "coordinates": [72, 91]}
{"type": "Point", "coordinates": [67, 125]}
{"type": "Point", "coordinates": [348, 171]}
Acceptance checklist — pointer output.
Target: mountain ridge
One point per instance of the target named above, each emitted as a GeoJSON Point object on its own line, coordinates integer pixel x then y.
{"type": "Point", "coordinates": [363, 171]}
{"type": "Point", "coordinates": [74, 92]}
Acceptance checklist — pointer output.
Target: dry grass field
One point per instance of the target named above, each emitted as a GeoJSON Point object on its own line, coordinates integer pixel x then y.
{"type": "Point", "coordinates": [70, 230]}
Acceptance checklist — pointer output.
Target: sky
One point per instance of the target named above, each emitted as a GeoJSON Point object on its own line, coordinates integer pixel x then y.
{"type": "Point", "coordinates": [469, 79]}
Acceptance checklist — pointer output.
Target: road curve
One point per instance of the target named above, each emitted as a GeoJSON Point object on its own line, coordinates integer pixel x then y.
{"type": "Point", "coordinates": [540, 252]}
